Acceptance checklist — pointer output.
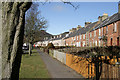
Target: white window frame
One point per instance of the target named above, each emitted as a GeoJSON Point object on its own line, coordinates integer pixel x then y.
{"type": "Point", "coordinates": [80, 37]}
{"type": "Point", "coordinates": [90, 34]}
{"type": "Point", "coordinates": [83, 36]}
{"type": "Point", "coordinates": [83, 43]}
{"type": "Point", "coordinates": [60, 35]}
{"type": "Point", "coordinates": [72, 39]}
{"type": "Point", "coordinates": [90, 44]}
{"type": "Point", "coordinates": [94, 33]}
{"type": "Point", "coordinates": [77, 37]}
{"type": "Point", "coordinates": [96, 43]}
{"type": "Point", "coordinates": [115, 27]}
{"type": "Point", "coordinates": [79, 44]}
{"type": "Point", "coordinates": [99, 32]}
{"type": "Point", "coordinates": [99, 42]}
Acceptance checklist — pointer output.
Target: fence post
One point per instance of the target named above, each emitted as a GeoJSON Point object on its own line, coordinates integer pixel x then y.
{"type": "Point", "coordinates": [118, 72]}
{"type": "Point", "coordinates": [88, 70]}
{"type": "Point", "coordinates": [91, 69]}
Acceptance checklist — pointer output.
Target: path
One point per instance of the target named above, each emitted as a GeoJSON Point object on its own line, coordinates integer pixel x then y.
{"type": "Point", "coordinates": [56, 68]}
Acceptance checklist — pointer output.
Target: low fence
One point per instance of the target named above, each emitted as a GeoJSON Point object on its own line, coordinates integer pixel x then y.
{"type": "Point", "coordinates": [85, 68]}
{"type": "Point", "coordinates": [110, 71]}
{"type": "Point", "coordinates": [74, 62]}
{"type": "Point", "coordinates": [60, 56]}
{"type": "Point", "coordinates": [80, 65]}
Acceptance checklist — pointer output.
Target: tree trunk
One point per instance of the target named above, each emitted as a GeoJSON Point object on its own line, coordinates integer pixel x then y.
{"type": "Point", "coordinates": [30, 49]}
{"type": "Point", "coordinates": [13, 19]}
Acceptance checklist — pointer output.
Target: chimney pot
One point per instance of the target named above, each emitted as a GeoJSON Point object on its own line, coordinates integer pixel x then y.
{"type": "Point", "coordinates": [78, 27]}
{"type": "Point", "coordinates": [105, 16]}
{"type": "Point", "coordinates": [87, 23]}
{"type": "Point", "coordinates": [100, 18]}
{"type": "Point", "coordinates": [72, 30]}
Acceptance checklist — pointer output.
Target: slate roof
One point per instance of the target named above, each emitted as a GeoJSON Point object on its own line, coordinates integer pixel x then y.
{"type": "Point", "coordinates": [44, 34]}
{"type": "Point", "coordinates": [70, 35]}
{"type": "Point", "coordinates": [82, 30]}
{"type": "Point", "coordinates": [62, 36]}
{"type": "Point", "coordinates": [108, 21]}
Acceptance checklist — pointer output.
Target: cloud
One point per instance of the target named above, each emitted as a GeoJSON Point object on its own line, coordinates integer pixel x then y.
{"type": "Point", "coordinates": [58, 8]}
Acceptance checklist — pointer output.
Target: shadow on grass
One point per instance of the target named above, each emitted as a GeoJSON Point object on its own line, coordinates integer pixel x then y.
{"type": "Point", "coordinates": [26, 52]}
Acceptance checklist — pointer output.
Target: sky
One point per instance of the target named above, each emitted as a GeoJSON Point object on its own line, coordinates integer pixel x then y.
{"type": "Point", "coordinates": [63, 17]}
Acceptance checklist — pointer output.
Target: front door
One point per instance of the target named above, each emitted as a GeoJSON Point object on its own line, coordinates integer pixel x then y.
{"type": "Point", "coordinates": [117, 41]}
{"type": "Point", "coordinates": [111, 42]}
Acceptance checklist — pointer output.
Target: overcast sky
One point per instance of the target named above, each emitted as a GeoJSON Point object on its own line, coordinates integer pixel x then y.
{"type": "Point", "coordinates": [62, 17]}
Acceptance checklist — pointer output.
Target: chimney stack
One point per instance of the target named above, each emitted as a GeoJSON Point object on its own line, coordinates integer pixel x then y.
{"type": "Point", "coordinates": [119, 7]}
{"type": "Point", "coordinates": [87, 23]}
{"type": "Point", "coordinates": [100, 18]}
{"type": "Point", "coordinates": [72, 30]}
{"type": "Point", "coordinates": [78, 27]}
{"type": "Point", "coordinates": [105, 16]}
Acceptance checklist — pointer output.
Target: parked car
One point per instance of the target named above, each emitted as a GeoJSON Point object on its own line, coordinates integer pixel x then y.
{"type": "Point", "coordinates": [25, 46]}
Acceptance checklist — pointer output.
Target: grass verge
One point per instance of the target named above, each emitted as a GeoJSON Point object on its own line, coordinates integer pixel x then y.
{"type": "Point", "coordinates": [33, 66]}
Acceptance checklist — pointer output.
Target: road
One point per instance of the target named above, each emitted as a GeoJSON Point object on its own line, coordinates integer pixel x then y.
{"type": "Point", "coordinates": [56, 68]}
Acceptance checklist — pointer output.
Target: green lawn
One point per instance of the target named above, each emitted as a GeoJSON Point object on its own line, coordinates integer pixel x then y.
{"type": "Point", "coordinates": [33, 66]}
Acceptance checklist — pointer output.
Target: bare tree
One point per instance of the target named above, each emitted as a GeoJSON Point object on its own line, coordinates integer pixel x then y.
{"type": "Point", "coordinates": [13, 19]}
{"type": "Point", "coordinates": [33, 25]}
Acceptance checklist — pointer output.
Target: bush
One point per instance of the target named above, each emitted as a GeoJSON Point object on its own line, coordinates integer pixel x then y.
{"type": "Point", "coordinates": [50, 46]}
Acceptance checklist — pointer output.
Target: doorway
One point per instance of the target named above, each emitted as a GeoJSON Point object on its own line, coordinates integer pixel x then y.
{"type": "Point", "coordinates": [111, 42]}
{"type": "Point", "coordinates": [117, 41]}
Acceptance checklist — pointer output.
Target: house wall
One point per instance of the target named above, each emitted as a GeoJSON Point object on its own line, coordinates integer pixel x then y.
{"type": "Point", "coordinates": [84, 40]}
{"type": "Point", "coordinates": [113, 35]}
{"type": "Point", "coordinates": [78, 42]}
{"type": "Point", "coordinates": [96, 41]}
{"type": "Point", "coordinates": [43, 43]}
{"type": "Point", "coordinates": [58, 42]}
{"type": "Point", "coordinates": [68, 41]}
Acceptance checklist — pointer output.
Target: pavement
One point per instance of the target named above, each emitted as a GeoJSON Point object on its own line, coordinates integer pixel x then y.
{"type": "Point", "coordinates": [58, 69]}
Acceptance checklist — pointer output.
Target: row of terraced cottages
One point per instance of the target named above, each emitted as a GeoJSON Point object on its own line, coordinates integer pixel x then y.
{"type": "Point", "coordinates": [105, 31]}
